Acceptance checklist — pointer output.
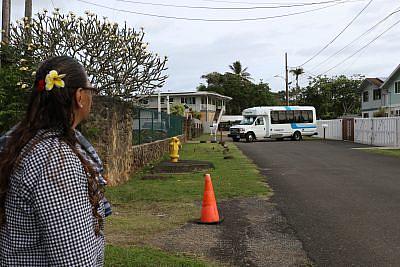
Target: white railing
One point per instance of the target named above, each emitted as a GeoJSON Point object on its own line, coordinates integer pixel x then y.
{"type": "Point", "coordinates": [333, 129]}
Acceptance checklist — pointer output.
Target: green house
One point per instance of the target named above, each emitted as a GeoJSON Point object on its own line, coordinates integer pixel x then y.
{"type": "Point", "coordinates": [381, 96]}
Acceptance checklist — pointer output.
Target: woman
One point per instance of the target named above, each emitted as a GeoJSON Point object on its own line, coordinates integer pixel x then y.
{"type": "Point", "coordinates": [51, 208]}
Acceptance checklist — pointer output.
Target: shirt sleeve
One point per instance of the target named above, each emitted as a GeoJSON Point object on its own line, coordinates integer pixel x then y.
{"type": "Point", "coordinates": [63, 211]}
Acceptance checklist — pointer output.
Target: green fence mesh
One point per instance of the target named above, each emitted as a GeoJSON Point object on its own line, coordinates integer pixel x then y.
{"type": "Point", "coordinates": [150, 125]}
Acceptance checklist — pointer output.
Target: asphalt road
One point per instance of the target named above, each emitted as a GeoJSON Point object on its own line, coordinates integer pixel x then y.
{"type": "Point", "coordinates": [344, 204]}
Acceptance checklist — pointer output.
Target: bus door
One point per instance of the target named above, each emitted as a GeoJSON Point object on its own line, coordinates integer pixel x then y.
{"type": "Point", "coordinates": [259, 127]}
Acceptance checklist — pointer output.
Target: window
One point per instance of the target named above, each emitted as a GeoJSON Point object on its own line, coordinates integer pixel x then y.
{"type": "Point", "coordinates": [292, 116]}
{"type": "Point", "coordinates": [397, 112]}
{"type": "Point", "coordinates": [365, 115]}
{"type": "Point", "coordinates": [162, 100]}
{"type": "Point", "coordinates": [297, 116]}
{"type": "Point", "coordinates": [365, 96]}
{"type": "Point", "coordinates": [259, 121]}
{"type": "Point", "coordinates": [274, 117]}
{"type": "Point", "coordinates": [183, 100]}
{"type": "Point", "coordinates": [377, 94]}
{"type": "Point", "coordinates": [282, 116]}
{"type": "Point", "coordinates": [307, 116]}
{"type": "Point", "coordinates": [171, 100]}
{"type": "Point", "coordinates": [397, 87]}
{"type": "Point", "coordinates": [204, 100]}
{"type": "Point", "coordinates": [190, 100]}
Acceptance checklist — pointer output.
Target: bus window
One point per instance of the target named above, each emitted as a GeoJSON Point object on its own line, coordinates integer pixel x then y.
{"type": "Point", "coordinates": [297, 117]}
{"type": "Point", "coordinates": [307, 116]}
{"type": "Point", "coordinates": [290, 116]}
{"type": "Point", "coordinates": [282, 117]}
{"type": "Point", "coordinates": [274, 117]}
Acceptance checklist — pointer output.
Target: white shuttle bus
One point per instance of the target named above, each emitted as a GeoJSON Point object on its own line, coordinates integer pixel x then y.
{"type": "Point", "coordinates": [275, 122]}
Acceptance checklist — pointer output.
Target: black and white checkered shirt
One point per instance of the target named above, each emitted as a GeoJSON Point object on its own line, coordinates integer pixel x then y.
{"type": "Point", "coordinates": [49, 219]}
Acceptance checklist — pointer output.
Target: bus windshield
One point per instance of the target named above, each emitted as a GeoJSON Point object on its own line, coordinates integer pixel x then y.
{"type": "Point", "coordinates": [247, 120]}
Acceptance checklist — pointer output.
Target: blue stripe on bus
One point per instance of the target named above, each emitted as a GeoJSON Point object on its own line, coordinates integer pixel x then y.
{"type": "Point", "coordinates": [296, 126]}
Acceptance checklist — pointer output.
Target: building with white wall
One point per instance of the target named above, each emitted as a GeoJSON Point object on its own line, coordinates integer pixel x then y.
{"type": "Point", "coordinates": [208, 104]}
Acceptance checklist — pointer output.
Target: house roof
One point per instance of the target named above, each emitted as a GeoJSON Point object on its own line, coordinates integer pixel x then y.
{"type": "Point", "coordinates": [395, 72]}
{"type": "Point", "coordinates": [197, 93]}
{"type": "Point", "coordinates": [374, 81]}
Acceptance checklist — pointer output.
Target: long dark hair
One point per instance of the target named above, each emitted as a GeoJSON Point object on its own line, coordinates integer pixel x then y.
{"type": "Point", "coordinates": [49, 110]}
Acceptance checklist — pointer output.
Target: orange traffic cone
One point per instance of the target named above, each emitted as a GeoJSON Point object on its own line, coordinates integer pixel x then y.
{"type": "Point", "coordinates": [209, 210]}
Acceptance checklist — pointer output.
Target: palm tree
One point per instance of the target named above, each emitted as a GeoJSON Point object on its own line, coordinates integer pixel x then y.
{"type": "Point", "coordinates": [296, 91]}
{"type": "Point", "coordinates": [237, 69]}
{"type": "Point", "coordinates": [297, 72]}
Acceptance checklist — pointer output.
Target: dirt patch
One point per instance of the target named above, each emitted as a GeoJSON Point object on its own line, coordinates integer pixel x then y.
{"type": "Point", "coordinates": [182, 166]}
{"type": "Point", "coordinates": [254, 233]}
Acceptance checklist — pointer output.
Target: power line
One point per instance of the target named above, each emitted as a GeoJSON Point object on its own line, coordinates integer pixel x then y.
{"type": "Point", "coordinates": [233, 8]}
{"type": "Point", "coordinates": [250, 3]}
{"type": "Point", "coordinates": [337, 36]}
{"type": "Point", "coordinates": [212, 20]}
{"type": "Point", "coordinates": [362, 48]}
{"type": "Point", "coordinates": [359, 37]}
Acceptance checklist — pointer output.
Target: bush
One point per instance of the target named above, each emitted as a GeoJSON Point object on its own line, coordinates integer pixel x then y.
{"type": "Point", "coordinates": [13, 97]}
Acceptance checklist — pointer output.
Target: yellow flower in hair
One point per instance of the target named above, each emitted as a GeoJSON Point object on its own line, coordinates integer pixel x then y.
{"type": "Point", "coordinates": [54, 79]}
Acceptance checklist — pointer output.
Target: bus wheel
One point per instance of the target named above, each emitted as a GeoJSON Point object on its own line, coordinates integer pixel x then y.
{"type": "Point", "coordinates": [296, 136]}
{"type": "Point", "coordinates": [250, 137]}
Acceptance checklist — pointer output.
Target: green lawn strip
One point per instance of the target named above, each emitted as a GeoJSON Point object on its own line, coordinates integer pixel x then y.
{"type": "Point", "coordinates": [146, 256]}
{"type": "Point", "coordinates": [204, 137]}
{"type": "Point", "coordinates": [237, 177]}
{"type": "Point", "coordinates": [142, 209]}
{"type": "Point", "coordinates": [387, 152]}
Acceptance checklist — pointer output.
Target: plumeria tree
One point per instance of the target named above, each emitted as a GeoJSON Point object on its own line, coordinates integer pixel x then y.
{"type": "Point", "coordinates": [116, 57]}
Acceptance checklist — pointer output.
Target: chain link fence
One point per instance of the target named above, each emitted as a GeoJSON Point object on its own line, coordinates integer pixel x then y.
{"type": "Point", "coordinates": [150, 125]}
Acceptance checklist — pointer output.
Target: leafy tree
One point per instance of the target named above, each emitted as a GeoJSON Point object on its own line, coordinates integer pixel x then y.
{"type": "Point", "coordinates": [333, 97]}
{"type": "Point", "coordinates": [116, 58]}
{"type": "Point", "coordinates": [244, 93]}
{"type": "Point", "coordinates": [178, 109]}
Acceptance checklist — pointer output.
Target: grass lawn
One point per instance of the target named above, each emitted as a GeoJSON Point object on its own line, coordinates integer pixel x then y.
{"type": "Point", "coordinates": [146, 256]}
{"type": "Point", "coordinates": [144, 208]}
{"type": "Point", "coordinates": [387, 152]}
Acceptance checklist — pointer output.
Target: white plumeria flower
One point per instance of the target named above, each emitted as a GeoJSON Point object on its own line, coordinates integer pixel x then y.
{"type": "Point", "coordinates": [24, 86]}
{"type": "Point", "coordinates": [33, 73]}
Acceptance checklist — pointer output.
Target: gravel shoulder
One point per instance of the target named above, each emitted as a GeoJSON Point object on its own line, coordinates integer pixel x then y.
{"type": "Point", "coordinates": [253, 233]}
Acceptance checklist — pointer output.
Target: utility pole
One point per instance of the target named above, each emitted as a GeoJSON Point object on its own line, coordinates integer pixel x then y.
{"type": "Point", "coordinates": [28, 9]}
{"type": "Point", "coordinates": [286, 81]}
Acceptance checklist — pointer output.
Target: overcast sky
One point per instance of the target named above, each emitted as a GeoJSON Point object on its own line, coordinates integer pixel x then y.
{"type": "Point", "coordinates": [195, 48]}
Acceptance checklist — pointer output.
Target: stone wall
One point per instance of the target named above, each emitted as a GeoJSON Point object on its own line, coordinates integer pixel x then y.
{"type": "Point", "coordinates": [110, 130]}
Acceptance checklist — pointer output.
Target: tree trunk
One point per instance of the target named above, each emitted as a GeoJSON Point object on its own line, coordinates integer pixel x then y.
{"type": "Point", "coordinates": [5, 25]}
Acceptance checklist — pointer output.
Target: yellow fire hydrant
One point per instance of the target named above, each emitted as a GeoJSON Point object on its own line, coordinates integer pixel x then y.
{"type": "Point", "coordinates": [174, 146]}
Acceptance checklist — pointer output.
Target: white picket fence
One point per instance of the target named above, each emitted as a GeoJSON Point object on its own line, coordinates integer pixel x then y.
{"type": "Point", "coordinates": [370, 131]}
{"type": "Point", "coordinates": [332, 131]}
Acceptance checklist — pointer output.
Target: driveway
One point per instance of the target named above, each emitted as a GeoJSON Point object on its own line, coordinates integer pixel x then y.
{"type": "Point", "coordinates": [344, 204]}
